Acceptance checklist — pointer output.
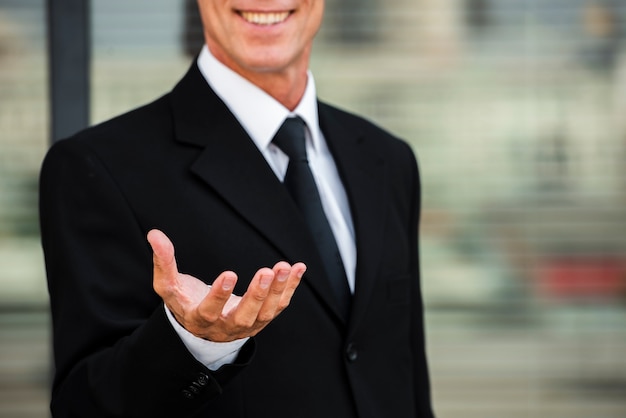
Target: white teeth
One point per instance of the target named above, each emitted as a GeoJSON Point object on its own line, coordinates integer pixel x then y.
{"type": "Point", "coordinates": [264, 18]}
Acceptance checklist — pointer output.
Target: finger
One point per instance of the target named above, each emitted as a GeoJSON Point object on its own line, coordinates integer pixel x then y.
{"type": "Point", "coordinates": [164, 261]}
{"type": "Point", "coordinates": [246, 313]}
{"type": "Point", "coordinates": [211, 307]}
{"type": "Point", "coordinates": [269, 308]}
{"type": "Point", "coordinates": [293, 281]}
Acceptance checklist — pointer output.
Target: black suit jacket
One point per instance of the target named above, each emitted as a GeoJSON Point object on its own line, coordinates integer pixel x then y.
{"type": "Point", "coordinates": [183, 164]}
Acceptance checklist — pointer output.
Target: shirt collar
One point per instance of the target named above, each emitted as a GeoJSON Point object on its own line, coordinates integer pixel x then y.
{"type": "Point", "coordinates": [259, 113]}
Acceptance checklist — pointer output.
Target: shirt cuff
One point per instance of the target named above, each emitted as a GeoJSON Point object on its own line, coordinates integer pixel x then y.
{"type": "Point", "coordinates": [212, 354]}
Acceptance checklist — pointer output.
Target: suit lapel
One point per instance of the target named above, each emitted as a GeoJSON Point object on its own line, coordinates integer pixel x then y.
{"type": "Point", "coordinates": [233, 167]}
{"type": "Point", "coordinates": [362, 172]}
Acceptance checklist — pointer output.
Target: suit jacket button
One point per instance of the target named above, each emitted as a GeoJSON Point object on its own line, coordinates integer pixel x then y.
{"type": "Point", "coordinates": [352, 353]}
{"type": "Point", "coordinates": [203, 379]}
{"type": "Point", "coordinates": [188, 395]}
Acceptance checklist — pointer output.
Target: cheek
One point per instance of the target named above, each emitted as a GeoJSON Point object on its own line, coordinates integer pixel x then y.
{"type": "Point", "coordinates": [220, 39]}
{"type": "Point", "coordinates": [215, 20]}
{"type": "Point", "coordinates": [315, 19]}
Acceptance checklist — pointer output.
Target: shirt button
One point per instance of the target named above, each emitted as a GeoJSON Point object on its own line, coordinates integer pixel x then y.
{"type": "Point", "coordinates": [352, 353]}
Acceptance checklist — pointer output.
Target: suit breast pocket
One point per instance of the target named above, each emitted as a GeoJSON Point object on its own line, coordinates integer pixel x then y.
{"type": "Point", "coordinates": [398, 289]}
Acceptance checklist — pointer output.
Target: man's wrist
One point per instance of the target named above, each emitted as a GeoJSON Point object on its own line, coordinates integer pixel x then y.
{"type": "Point", "coordinates": [212, 354]}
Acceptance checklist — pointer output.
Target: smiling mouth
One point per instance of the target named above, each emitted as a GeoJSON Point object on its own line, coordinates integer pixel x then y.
{"type": "Point", "coordinates": [264, 18]}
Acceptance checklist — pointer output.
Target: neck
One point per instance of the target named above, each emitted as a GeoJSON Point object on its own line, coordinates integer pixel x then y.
{"type": "Point", "coordinates": [286, 85]}
{"type": "Point", "coordinates": [287, 89]}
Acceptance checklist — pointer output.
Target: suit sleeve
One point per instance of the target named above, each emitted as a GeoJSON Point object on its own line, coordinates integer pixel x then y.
{"type": "Point", "coordinates": [115, 352]}
{"type": "Point", "coordinates": [421, 375]}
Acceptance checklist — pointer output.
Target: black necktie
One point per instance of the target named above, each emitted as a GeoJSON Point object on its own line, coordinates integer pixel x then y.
{"type": "Point", "coordinates": [301, 185]}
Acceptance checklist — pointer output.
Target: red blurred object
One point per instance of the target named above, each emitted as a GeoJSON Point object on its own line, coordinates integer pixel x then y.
{"type": "Point", "coordinates": [582, 277]}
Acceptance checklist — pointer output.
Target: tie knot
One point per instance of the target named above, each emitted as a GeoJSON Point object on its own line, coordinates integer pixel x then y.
{"type": "Point", "coordinates": [291, 140]}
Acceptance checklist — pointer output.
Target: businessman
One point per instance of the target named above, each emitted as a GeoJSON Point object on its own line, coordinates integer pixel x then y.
{"type": "Point", "coordinates": [236, 248]}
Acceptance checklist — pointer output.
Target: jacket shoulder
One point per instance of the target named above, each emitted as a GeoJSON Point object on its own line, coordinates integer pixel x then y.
{"type": "Point", "coordinates": [136, 123]}
{"type": "Point", "coordinates": [352, 120]}
{"type": "Point", "coordinates": [385, 142]}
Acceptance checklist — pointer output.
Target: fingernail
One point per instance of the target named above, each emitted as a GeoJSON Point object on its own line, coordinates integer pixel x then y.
{"type": "Point", "coordinates": [282, 275]}
{"type": "Point", "coordinates": [228, 283]}
{"type": "Point", "coordinates": [301, 273]}
{"type": "Point", "coordinates": [266, 281]}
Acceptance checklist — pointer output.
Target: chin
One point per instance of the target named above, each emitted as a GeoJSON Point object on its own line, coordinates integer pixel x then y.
{"type": "Point", "coordinates": [268, 65]}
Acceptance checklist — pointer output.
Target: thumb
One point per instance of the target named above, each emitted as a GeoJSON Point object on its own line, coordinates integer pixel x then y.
{"type": "Point", "coordinates": [165, 269]}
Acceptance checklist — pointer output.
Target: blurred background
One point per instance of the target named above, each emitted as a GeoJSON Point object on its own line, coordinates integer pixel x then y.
{"type": "Point", "coordinates": [516, 110]}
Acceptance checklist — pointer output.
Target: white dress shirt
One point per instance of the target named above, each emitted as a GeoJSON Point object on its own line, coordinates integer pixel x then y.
{"type": "Point", "coordinates": [261, 116]}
